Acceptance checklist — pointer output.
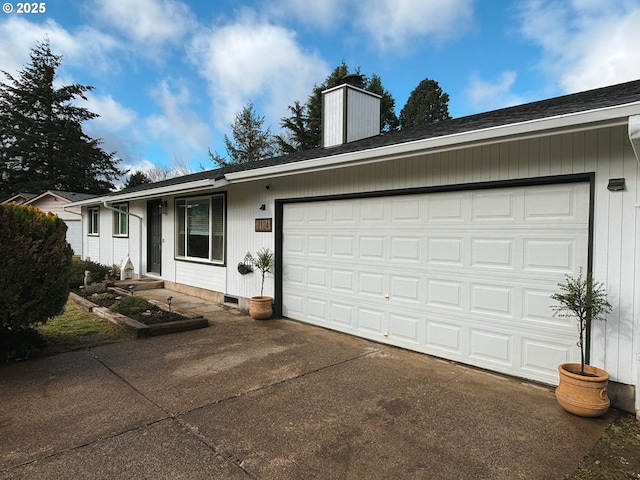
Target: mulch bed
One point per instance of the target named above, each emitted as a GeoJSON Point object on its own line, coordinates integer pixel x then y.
{"type": "Point", "coordinates": [150, 317]}
{"type": "Point", "coordinates": [153, 317]}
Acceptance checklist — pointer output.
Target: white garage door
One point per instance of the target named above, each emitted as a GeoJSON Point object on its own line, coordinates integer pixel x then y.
{"type": "Point", "coordinates": [461, 275]}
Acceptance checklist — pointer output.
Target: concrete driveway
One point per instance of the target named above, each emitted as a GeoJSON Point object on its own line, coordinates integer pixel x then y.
{"type": "Point", "coordinates": [277, 399]}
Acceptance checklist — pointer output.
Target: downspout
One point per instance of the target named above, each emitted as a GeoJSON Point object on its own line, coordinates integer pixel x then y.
{"type": "Point", "coordinates": [129, 214]}
{"type": "Point", "coordinates": [634, 137]}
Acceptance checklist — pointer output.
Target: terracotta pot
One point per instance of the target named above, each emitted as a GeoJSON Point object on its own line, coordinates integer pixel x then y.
{"type": "Point", "coordinates": [260, 308]}
{"type": "Point", "coordinates": [583, 395]}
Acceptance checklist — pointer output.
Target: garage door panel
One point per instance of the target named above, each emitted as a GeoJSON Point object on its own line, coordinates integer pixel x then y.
{"type": "Point", "coordinates": [445, 336]}
{"type": "Point", "coordinates": [317, 309]}
{"type": "Point", "coordinates": [317, 277]}
{"type": "Point", "coordinates": [445, 251]}
{"type": "Point", "coordinates": [343, 280]}
{"type": "Point", "coordinates": [491, 346]}
{"type": "Point", "coordinates": [444, 294]}
{"type": "Point", "coordinates": [555, 204]}
{"type": "Point", "coordinates": [463, 275]}
{"type": "Point", "coordinates": [372, 248]}
{"type": "Point", "coordinates": [343, 246]}
{"type": "Point", "coordinates": [541, 356]}
{"type": "Point", "coordinates": [553, 254]}
{"type": "Point", "coordinates": [494, 207]}
{"type": "Point", "coordinates": [492, 299]}
{"type": "Point", "coordinates": [493, 253]}
{"type": "Point", "coordinates": [405, 249]}
{"type": "Point", "coordinates": [371, 320]}
{"type": "Point", "coordinates": [405, 289]}
{"type": "Point", "coordinates": [405, 328]}
{"type": "Point", "coordinates": [446, 209]}
{"type": "Point", "coordinates": [372, 284]}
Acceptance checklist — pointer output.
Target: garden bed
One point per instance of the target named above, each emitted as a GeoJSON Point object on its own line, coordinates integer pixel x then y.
{"type": "Point", "coordinates": [154, 321]}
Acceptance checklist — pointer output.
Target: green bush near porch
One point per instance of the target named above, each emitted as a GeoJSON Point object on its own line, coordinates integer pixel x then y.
{"type": "Point", "coordinates": [132, 306]}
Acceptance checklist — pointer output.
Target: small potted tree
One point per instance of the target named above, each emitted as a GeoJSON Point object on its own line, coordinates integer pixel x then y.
{"type": "Point", "coordinates": [260, 308]}
{"type": "Point", "coordinates": [582, 389]}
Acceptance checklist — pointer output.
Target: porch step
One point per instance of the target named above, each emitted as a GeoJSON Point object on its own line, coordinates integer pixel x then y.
{"type": "Point", "coordinates": [140, 284]}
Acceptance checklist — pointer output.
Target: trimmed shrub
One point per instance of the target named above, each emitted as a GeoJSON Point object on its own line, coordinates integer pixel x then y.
{"type": "Point", "coordinates": [132, 305]}
{"type": "Point", "coordinates": [35, 264]}
{"type": "Point", "coordinates": [98, 271]}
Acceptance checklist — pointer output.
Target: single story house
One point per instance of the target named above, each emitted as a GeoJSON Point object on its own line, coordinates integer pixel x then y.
{"type": "Point", "coordinates": [446, 239]}
{"type": "Point", "coordinates": [57, 202]}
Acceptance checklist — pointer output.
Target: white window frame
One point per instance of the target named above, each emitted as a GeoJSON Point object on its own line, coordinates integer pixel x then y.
{"type": "Point", "coordinates": [94, 226]}
{"type": "Point", "coordinates": [120, 219]}
{"type": "Point", "coordinates": [216, 229]}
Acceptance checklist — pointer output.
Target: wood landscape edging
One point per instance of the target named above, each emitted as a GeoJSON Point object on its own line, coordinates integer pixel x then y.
{"type": "Point", "coordinates": [141, 330]}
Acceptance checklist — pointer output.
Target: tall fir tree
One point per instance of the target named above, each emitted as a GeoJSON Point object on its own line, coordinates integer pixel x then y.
{"type": "Point", "coordinates": [427, 103]}
{"type": "Point", "coordinates": [304, 128]}
{"type": "Point", "coordinates": [42, 142]}
{"type": "Point", "coordinates": [250, 142]}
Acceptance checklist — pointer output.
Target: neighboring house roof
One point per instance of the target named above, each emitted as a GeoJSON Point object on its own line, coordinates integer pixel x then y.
{"type": "Point", "coordinates": [69, 196]}
{"type": "Point", "coordinates": [21, 198]}
{"type": "Point", "coordinates": [556, 113]}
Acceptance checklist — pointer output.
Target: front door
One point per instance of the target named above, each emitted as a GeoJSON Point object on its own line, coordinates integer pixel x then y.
{"type": "Point", "coordinates": [154, 236]}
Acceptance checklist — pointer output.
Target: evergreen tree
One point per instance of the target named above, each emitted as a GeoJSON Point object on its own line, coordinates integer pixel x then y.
{"type": "Point", "coordinates": [427, 103]}
{"type": "Point", "coordinates": [42, 143]}
{"type": "Point", "coordinates": [304, 127]}
{"type": "Point", "coordinates": [137, 178]}
{"type": "Point", "coordinates": [250, 143]}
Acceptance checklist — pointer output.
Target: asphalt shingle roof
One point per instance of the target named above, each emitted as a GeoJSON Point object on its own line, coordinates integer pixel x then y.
{"type": "Point", "coordinates": [610, 96]}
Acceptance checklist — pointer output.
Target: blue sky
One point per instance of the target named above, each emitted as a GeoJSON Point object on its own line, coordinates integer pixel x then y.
{"type": "Point", "coordinates": [170, 75]}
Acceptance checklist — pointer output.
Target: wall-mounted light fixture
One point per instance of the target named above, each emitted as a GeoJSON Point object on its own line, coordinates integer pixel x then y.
{"type": "Point", "coordinates": [616, 184]}
{"type": "Point", "coordinates": [262, 207]}
{"type": "Point", "coordinates": [163, 206]}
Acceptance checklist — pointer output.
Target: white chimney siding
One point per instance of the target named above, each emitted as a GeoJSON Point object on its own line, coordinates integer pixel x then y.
{"type": "Point", "coordinates": [349, 114]}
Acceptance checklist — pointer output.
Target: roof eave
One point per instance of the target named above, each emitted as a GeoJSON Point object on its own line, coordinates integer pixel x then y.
{"type": "Point", "coordinates": [187, 187]}
{"type": "Point", "coordinates": [609, 116]}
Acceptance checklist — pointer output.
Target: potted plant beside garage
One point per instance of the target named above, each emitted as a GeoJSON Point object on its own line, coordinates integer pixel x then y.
{"type": "Point", "coordinates": [582, 389]}
{"type": "Point", "coordinates": [260, 308]}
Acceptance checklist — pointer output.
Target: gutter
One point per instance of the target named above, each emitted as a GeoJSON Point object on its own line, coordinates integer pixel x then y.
{"type": "Point", "coordinates": [129, 214]}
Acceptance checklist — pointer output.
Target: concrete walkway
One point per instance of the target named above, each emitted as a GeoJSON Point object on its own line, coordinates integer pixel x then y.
{"type": "Point", "coordinates": [276, 399]}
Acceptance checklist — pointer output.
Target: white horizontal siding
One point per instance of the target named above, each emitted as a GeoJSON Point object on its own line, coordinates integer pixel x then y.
{"type": "Point", "coordinates": [201, 275]}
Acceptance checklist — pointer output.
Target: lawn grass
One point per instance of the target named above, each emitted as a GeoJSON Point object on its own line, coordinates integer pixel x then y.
{"type": "Point", "coordinates": [76, 329]}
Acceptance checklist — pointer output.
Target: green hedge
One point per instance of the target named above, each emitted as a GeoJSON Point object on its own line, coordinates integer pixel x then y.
{"type": "Point", "coordinates": [35, 265]}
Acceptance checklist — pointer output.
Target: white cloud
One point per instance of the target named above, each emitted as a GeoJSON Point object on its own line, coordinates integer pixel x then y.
{"type": "Point", "coordinates": [484, 95]}
{"type": "Point", "coordinates": [179, 129]}
{"type": "Point", "coordinates": [85, 47]}
{"type": "Point", "coordinates": [393, 23]}
{"type": "Point", "coordinates": [117, 126]}
{"type": "Point", "coordinates": [145, 21]}
{"type": "Point", "coordinates": [585, 44]}
{"type": "Point", "coordinates": [113, 115]}
{"type": "Point", "coordinates": [258, 62]}
{"type": "Point", "coordinates": [325, 14]}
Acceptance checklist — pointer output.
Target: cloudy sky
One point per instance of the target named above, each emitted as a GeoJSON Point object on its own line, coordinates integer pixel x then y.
{"type": "Point", "coordinates": [170, 75]}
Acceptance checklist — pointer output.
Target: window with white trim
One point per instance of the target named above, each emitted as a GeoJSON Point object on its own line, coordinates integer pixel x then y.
{"type": "Point", "coordinates": [94, 220]}
{"type": "Point", "coordinates": [121, 220]}
{"type": "Point", "coordinates": [200, 232]}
